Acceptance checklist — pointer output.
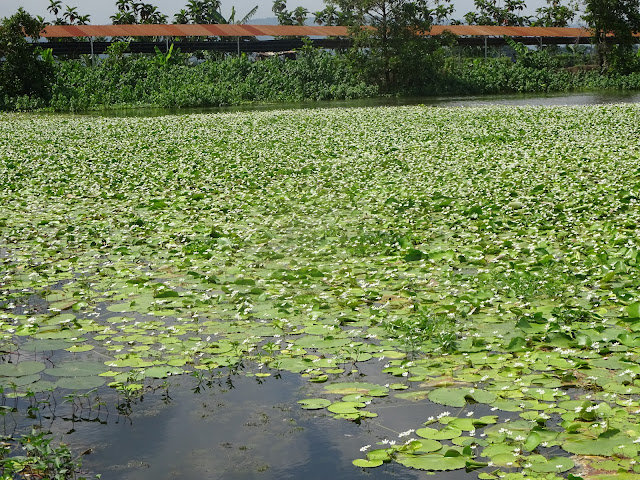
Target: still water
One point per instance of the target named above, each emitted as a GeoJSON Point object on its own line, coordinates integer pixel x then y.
{"type": "Point", "coordinates": [239, 428]}
{"type": "Point", "coordinates": [583, 98]}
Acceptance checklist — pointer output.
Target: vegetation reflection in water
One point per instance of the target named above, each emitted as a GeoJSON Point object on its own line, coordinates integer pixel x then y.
{"type": "Point", "coordinates": [475, 257]}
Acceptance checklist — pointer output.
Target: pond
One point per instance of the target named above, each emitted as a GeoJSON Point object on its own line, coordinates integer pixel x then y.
{"type": "Point", "coordinates": [325, 293]}
{"type": "Point", "coordinates": [582, 98]}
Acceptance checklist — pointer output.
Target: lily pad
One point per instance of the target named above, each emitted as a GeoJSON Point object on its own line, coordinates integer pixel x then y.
{"type": "Point", "coordinates": [432, 462]}
{"type": "Point", "coordinates": [28, 367]}
{"type": "Point", "coordinates": [458, 397]}
{"type": "Point", "coordinates": [76, 369]}
{"type": "Point", "coordinates": [314, 403]}
{"type": "Point", "coordinates": [80, 383]}
{"type": "Point", "coordinates": [360, 462]}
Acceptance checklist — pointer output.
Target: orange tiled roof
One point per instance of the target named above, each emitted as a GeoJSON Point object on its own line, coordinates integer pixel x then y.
{"type": "Point", "coordinates": [219, 30]}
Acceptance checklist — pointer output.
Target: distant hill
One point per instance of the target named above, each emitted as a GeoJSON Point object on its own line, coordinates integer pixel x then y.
{"type": "Point", "coordinates": [263, 21]}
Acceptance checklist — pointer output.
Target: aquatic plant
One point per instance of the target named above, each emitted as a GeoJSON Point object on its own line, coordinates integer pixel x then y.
{"type": "Point", "coordinates": [478, 260]}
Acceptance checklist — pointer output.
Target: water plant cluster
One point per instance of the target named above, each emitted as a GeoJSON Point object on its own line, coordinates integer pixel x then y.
{"type": "Point", "coordinates": [481, 262]}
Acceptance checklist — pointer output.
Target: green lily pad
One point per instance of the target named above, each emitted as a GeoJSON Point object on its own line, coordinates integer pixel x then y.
{"type": "Point", "coordinates": [551, 465]}
{"type": "Point", "coordinates": [432, 462]}
{"type": "Point", "coordinates": [162, 371]}
{"type": "Point", "coordinates": [345, 407]}
{"type": "Point", "coordinates": [458, 397]}
{"type": "Point", "coordinates": [9, 382]}
{"type": "Point", "coordinates": [446, 433]}
{"type": "Point", "coordinates": [604, 445]}
{"type": "Point", "coordinates": [356, 388]}
{"type": "Point", "coordinates": [43, 345]}
{"type": "Point", "coordinates": [80, 383]}
{"type": "Point", "coordinates": [360, 462]}
{"type": "Point", "coordinates": [314, 403]}
{"type": "Point", "coordinates": [76, 369]}
{"type": "Point", "coordinates": [80, 348]}
{"type": "Point", "coordinates": [28, 367]}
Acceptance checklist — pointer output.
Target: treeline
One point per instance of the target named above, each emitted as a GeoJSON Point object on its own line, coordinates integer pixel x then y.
{"type": "Point", "coordinates": [391, 58]}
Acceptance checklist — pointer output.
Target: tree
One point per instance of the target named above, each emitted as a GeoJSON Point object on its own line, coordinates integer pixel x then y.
{"type": "Point", "coordinates": [279, 8]}
{"type": "Point", "coordinates": [205, 11]}
{"type": "Point", "coordinates": [83, 19]}
{"type": "Point", "coordinates": [131, 12]}
{"type": "Point", "coordinates": [182, 17]}
{"type": "Point", "coordinates": [299, 15]}
{"type": "Point", "coordinates": [243, 20]}
{"type": "Point", "coordinates": [54, 7]}
{"type": "Point", "coordinates": [70, 15]}
{"type": "Point", "coordinates": [621, 18]}
{"type": "Point", "coordinates": [395, 52]}
{"type": "Point", "coordinates": [328, 16]}
{"type": "Point", "coordinates": [555, 14]}
{"type": "Point", "coordinates": [22, 70]}
{"type": "Point", "coordinates": [491, 12]}
{"type": "Point", "coordinates": [197, 12]}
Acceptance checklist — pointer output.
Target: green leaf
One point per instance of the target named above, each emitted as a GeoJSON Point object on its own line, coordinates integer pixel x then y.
{"type": "Point", "coordinates": [367, 463]}
{"type": "Point", "coordinates": [314, 403]}
{"type": "Point", "coordinates": [446, 433]}
{"type": "Point", "coordinates": [533, 440]}
{"type": "Point", "coordinates": [633, 310]}
{"type": "Point", "coordinates": [76, 369]}
{"type": "Point", "coordinates": [20, 369]}
{"type": "Point", "coordinates": [432, 462]}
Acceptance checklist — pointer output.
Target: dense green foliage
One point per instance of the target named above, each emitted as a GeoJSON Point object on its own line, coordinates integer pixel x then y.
{"type": "Point", "coordinates": [620, 18]}
{"type": "Point", "coordinates": [387, 38]}
{"type": "Point", "coordinates": [144, 80]}
{"type": "Point", "coordinates": [169, 81]}
{"type": "Point", "coordinates": [22, 72]}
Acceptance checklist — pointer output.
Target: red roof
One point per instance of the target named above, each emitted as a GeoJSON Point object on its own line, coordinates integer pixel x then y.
{"type": "Point", "coordinates": [220, 30]}
{"type": "Point", "coordinates": [216, 30]}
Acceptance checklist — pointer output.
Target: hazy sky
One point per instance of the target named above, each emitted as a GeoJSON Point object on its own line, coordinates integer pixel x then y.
{"type": "Point", "coordinates": [100, 10]}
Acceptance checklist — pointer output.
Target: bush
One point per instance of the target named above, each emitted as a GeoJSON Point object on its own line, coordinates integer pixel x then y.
{"type": "Point", "coordinates": [138, 80]}
{"type": "Point", "coordinates": [23, 72]}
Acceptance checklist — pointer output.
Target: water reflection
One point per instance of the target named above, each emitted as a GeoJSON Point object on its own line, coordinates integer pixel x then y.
{"type": "Point", "coordinates": [253, 431]}
{"type": "Point", "coordinates": [583, 98]}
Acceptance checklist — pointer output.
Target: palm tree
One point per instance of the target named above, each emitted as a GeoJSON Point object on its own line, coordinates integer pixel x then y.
{"type": "Point", "coordinates": [71, 14]}
{"type": "Point", "coordinates": [158, 18]}
{"type": "Point", "coordinates": [54, 7]}
{"type": "Point", "coordinates": [328, 16]}
{"type": "Point", "coordinates": [83, 19]}
{"type": "Point", "coordinates": [300, 15]}
{"type": "Point", "coordinates": [245, 19]}
{"type": "Point", "coordinates": [123, 18]}
{"type": "Point", "coordinates": [195, 10]}
{"type": "Point", "coordinates": [182, 17]}
{"type": "Point", "coordinates": [232, 18]}
{"type": "Point", "coordinates": [145, 10]}
{"type": "Point", "coordinates": [248, 16]}
{"type": "Point", "coordinates": [123, 5]}
{"type": "Point", "coordinates": [211, 10]}
{"type": "Point", "coordinates": [285, 17]}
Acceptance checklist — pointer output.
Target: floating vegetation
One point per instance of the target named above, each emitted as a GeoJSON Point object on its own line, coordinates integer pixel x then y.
{"type": "Point", "coordinates": [481, 262]}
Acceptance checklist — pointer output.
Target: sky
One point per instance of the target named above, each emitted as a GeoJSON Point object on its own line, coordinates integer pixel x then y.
{"type": "Point", "coordinates": [100, 10]}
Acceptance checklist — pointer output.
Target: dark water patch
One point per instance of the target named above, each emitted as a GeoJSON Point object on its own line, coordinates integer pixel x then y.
{"type": "Point", "coordinates": [253, 430]}
{"type": "Point", "coordinates": [583, 98]}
